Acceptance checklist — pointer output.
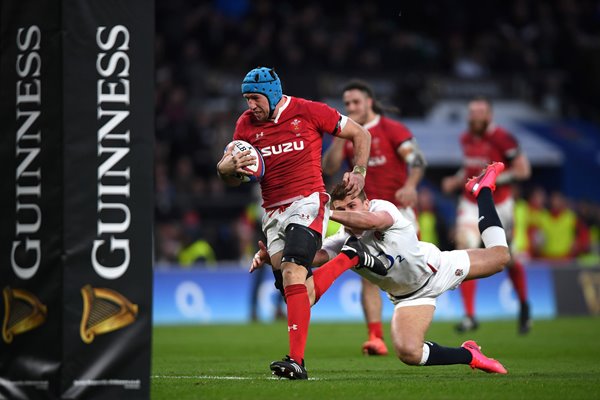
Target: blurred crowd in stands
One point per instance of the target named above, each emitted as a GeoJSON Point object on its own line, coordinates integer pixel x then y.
{"type": "Point", "coordinates": [547, 53]}
{"type": "Point", "coordinates": [551, 227]}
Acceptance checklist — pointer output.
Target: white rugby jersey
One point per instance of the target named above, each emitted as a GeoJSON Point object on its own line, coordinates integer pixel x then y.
{"type": "Point", "coordinates": [410, 262]}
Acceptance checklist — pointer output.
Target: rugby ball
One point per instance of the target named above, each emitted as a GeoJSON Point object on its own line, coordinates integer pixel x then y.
{"type": "Point", "coordinates": [257, 170]}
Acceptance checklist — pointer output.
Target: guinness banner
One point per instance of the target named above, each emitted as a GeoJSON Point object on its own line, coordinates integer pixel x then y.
{"type": "Point", "coordinates": [30, 205]}
{"type": "Point", "coordinates": [76, 160]}
{"type": "Point", "coordinates": [108, 169]}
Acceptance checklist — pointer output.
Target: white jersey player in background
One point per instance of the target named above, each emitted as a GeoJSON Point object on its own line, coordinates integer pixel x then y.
{"type": "Point", "coordinates": [418, 272]}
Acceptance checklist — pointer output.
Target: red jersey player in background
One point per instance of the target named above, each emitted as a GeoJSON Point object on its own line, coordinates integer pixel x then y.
{"type": "Point", "coordinates": [483, 143]}
{"type": "Point", "coordinates": [288, 131]}
{"type": "Point", "coordinates": [396, 167]}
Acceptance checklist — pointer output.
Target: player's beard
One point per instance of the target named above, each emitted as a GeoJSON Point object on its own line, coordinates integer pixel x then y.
{"type": "Point", "coordinates": [478, 127]}
{"type": "Point", "coordinates": [359, 117]}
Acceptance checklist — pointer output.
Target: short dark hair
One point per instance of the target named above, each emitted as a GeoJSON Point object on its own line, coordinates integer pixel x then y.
{"type": "Point", "coordinates": [339, 192]}
{"type": "Point", "coordinates": [358, 84]}
{"type": "Point", "coordinates": [361, 85]}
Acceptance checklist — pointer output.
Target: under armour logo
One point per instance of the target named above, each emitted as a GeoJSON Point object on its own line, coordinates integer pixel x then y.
{"type": "Point", "coordinates": [294, 327]}
{"type": "Point", "coordinates": [259, 135]}
{"type": "Point", "coordinates": [458, 272]}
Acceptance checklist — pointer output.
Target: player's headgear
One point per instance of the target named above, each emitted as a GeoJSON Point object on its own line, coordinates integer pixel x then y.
{"type": "Point", "coordinates": [265, 81]}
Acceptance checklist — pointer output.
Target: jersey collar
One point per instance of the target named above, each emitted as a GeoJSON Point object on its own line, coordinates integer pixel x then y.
{"type": "Point", "coordinates": [373, 122]}
{"type": "Point", "coordinates": [283, 107]}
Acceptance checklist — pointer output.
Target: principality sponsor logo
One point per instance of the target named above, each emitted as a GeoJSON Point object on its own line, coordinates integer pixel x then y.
{"type": "Point", "coordinates": [377, 161]}
{"type": "Point", "coordinates": [476, 162]}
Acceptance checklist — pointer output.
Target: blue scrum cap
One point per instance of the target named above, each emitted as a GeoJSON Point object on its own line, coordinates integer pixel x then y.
{"type": "Point", "coordinates": [266, 82]}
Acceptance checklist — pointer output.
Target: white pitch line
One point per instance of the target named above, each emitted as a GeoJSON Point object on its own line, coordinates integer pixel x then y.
{"type": "Point", "coordinates": [218, 378]}
{"type": "Point", "coordinates": [214, 377]}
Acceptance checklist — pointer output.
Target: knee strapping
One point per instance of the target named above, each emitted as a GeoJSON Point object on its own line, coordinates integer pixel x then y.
{"type": "Point", "coordinates": [301, 245]}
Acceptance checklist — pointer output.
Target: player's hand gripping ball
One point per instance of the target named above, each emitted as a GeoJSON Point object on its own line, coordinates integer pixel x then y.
{"type": "Point", "coordinates": [257, 170]}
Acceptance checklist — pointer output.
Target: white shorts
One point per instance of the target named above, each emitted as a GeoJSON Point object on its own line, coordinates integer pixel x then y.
{"type": "Point", "coordinates": [468, 218]}
{"type": "Point", "coordinates": [453, 268]}
{"type": "Point", "coordinates": [312, 212]}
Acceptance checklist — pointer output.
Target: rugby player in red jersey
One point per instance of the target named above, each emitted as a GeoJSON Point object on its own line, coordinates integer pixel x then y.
{"type": "Point", "coordinates": [288, 131]}
{"type": "Point", "coordinates": [485, 142]}
{"type": "Point", "coordinates": [396, 166]}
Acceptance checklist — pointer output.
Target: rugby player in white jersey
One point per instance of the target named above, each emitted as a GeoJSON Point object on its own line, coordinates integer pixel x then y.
{"type": "Point", "coordinates": [418, 272]}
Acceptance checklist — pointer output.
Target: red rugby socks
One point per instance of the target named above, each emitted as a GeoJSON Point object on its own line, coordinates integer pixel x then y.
{"type": "Point", "coordinates": [298, 314]}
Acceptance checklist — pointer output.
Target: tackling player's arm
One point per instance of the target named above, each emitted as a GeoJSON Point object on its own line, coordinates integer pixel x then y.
{"type": "Point", "coordinates": [414, 158]}
{"type": "Point", "coordinates": [363, 220]}
{"type": "Point", "coordinates": [361, 140]}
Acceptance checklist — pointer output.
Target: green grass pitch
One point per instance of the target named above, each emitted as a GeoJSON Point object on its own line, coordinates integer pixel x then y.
{"type": "Point", "coordinates": [559, 359]}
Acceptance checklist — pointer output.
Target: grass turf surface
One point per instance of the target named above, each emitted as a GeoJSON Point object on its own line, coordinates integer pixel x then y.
{"type": "Point", "coordinates": [559, 359]}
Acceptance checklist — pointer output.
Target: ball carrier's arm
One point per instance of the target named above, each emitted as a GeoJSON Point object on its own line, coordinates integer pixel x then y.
{"type": "Point", "coordinates": [230, 165]}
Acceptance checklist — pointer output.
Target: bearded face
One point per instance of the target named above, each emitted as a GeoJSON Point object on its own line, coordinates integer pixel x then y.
{"type": "Point", "coordinates": [358, 105]}
{"type": "Point", "coordinates": [480, 117]}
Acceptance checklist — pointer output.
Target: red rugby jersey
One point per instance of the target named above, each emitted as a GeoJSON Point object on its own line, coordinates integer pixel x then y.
{"type": "Point", "coordinates": [496, 144]}
{"type": "Point", "coordinates": [291, 147]}
{"type": "Point", "coordinates": [387, 169]}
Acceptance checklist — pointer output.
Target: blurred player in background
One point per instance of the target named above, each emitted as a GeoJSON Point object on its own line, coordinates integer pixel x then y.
{"type": "Point", "coordinates": [288, 132]}
{"type": "Point", "coordinates": [396, 166]}
{"type": "Point", "coordinates": [417, 272]}
{"type": "Point", "coordinates": [482, 143]}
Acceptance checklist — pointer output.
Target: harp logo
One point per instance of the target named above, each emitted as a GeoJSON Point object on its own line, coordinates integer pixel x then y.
{"type": "Point", "coordinates": [23, 312]}
{"type": "Point", "coordinates": [104, 311]}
